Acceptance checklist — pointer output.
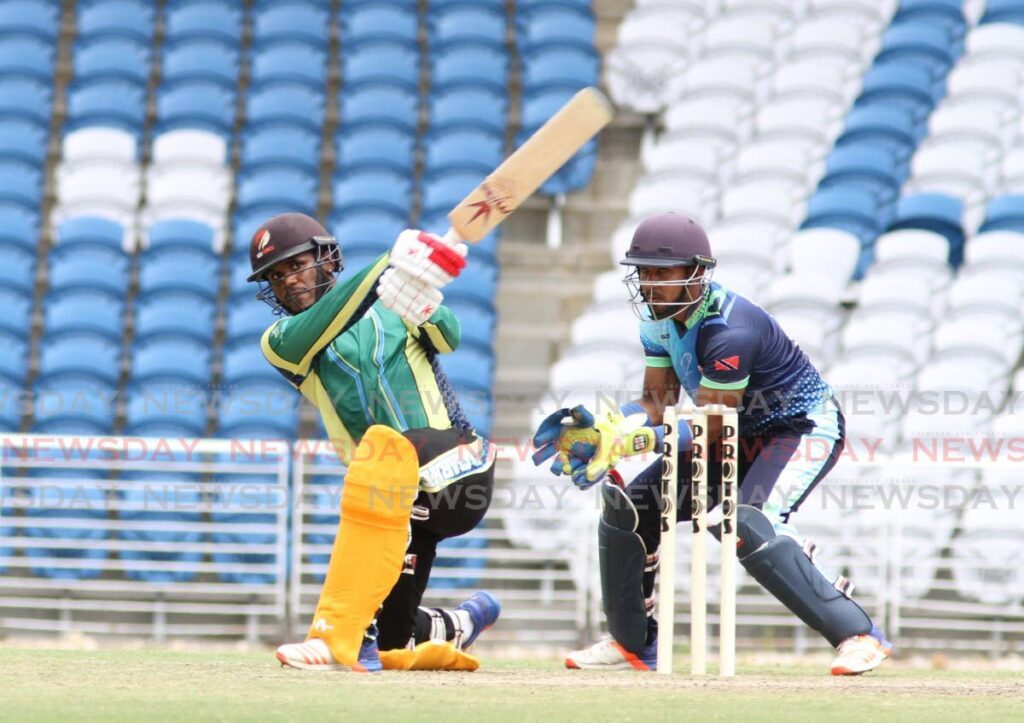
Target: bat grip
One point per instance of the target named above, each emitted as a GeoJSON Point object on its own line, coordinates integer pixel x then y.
{"type": "Point", "coordinates": [451, 237]}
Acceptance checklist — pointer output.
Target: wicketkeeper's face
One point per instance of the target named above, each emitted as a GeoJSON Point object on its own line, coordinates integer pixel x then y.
{"type": "Point", "coordinates": [669, 290]}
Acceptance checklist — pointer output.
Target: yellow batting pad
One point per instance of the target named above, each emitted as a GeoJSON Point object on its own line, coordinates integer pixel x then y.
{"type": "Point", "coordinates": [431, 655]}
{"type": "Point", "coordinates": [369, 549]}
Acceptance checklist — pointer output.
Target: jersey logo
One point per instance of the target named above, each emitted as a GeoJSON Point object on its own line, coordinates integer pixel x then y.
{"type": "Point", "coordinates": [728, 364]}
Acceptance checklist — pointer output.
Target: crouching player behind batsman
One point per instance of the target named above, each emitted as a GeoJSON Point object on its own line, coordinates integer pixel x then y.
{"type": "Point", "coordinates": [722, 349]}
{"type": "Point", "coordinates": [417, 472]}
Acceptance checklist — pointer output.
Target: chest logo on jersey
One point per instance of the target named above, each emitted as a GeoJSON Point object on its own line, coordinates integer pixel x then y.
{"type": "Point", "coordinates": [728, 364]}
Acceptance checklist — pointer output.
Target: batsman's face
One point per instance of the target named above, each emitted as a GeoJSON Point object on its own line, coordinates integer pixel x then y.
{"type": "Point", "coordinates": [294, 281]}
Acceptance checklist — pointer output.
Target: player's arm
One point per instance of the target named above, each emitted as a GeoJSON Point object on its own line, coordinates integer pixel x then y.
{"type": "Point", "coordinates": [726, 361]}
{"type": "Point", "coordinates": [443, 330]}
{"type": "Point", "coordinates": [291, 343]}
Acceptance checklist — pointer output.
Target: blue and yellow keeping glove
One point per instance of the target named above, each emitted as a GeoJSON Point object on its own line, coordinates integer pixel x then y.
{"type": "Point", "coordinates": [569, 436]}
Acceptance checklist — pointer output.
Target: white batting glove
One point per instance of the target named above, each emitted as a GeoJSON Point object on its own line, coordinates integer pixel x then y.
{"type": "Point", "coordinates": [410, 298]}
{"type": "Point", "coordinates": [424, 256]}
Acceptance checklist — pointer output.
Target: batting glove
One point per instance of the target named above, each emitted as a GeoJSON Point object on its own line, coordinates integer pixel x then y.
{"type": "Point", "coordinates": [410, 298]}
{"type": "Point", "coordinates": [427, 258]}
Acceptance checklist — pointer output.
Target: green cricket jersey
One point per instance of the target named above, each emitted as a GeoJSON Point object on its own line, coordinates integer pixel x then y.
{"type": "Point", "coordinates": [363, 371]}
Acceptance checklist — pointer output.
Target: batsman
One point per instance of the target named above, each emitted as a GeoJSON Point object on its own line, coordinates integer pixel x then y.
{"type": "Point", "coordinates": [721, 349]}
{"type": "Point", "coordinates": [363, 351]}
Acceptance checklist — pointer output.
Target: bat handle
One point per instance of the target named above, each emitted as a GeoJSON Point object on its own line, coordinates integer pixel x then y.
{"type": "Point", "coordinates": [451, 237]}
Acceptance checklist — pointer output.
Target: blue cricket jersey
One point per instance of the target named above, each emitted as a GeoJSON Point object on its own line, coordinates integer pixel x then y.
{"type": "Point", "coordinates": [732, 343]}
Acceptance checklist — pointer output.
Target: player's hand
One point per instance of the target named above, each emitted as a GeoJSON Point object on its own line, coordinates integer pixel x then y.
{"type": "Point", "coordinates": [618, 437]}
{"type": "Point", "coordinates": [411, 299]}
{"type": "Point", "coordinates": [427, 258]}
{"type": "Point", "coordinates": [569, 436]}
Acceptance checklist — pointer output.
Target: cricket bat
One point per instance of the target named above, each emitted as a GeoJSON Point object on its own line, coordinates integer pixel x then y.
{"type": "Point", "coordinates": [522, 173]}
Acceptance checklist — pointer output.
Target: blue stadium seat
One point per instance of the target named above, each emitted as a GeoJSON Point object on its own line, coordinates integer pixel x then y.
{"type": "Point", "coordinates": [893, 129]}
{"type": "Point", "coordinates": [171, 357]}
{"type": "Point", "coordinates": [375, 145]}
{"type": "Point", "coordinates": [231, 508]}
{"type": "Point", "coordinates": [1003, 11]}
{"type": "Point", "coordinates": [466, 21]}
{"type": "Point", "coordinates": [469, 62]}
{"type": "Point", "coordinates": [50, 502]}
{"type": "Point", "coordinates": [115, 103]}
{"type": "Point", "coordinates": [244, 363]}
{"type": "Point", "coordinates": [218, 19]}
{"type": "Point", "coordinates": [380, 103]}
{"type": "Point", "coordinates": [463, 149]}
{"type": "Point", "coordinates": [292, 20]}
{"type": "Point", "coordinates": [286, 103]}
{"type": "Point", "coordinates": [477, 318]}
{"type": "Point", "coordinates": [89, 266]}
{"type": "Point", "coordinates": [289, 62]}
{"type": "Point", "coordinates": [13, 358]}
{"type": "Point", "coordinates": [23, 140]}
{"type": "Point", "coordinates": [196, 104]}
{"type": "Point", "coordinates": [555, 23]}
{"type": "Point", "coordinates": [381, 61]}
{"type": "Point", "coordinates": [18, 272]}
{"type": "Point", "coordinates": [20, 182]}
{"type": "Point", "coordinates": [946, 14]}
{"type": "Point", "coordinates": [180, 232]}
{"type": "Point", "coordinates": [479, 286]}
{"type": "Point", "coordinates": [75, 397]}
{"type": "Point", "coordinates": [175, 311]}
{"type": "Point", "coordinates": [259, 408]}
{"type": "Point", "coordinates": [84, 309]}
{"type": "Point", "coordinates": [11, 402]}
{"type": "Point", "coordinates": [26, 98]}
{"type": "Point", "coordinates": [468, 105]}
{"type": "Point", "coordinates": [442, 191]}
{"type": "Point", "coordinates": [934, 212]}
{"type": "Point", "coordinates": [917, 44]}
{"type": "Point", "coordinates": [201, 59]}
{"type": "Point", "coordinates": [81, 353]}
{"type": "Point", "coordinates": [247, 318]}
{"type": "Point", "coordinates": [277, 185]}
{"type": "Point", "coordinates": [239, 270]}
{"type": "Point", "coordinates": [17, 316]}
{"type": "Point", "coordinates": [866, 167]}
{"type": "Point", "coordinates": [157, 498]}
{"type": "Point", "coordinates": [375, 188]}
{"type": "Point", "coordinates": [90, 230]}
{"type": "Point", "coordinates": [469, 368]}
{"type": "Point", "coordinates": [559, 65]}
{"type": "Point", "coordinates": [28, 56]}
{"type": "Point", "coordinates": [134, 19]}
{"type": "Point", "coordinates": [901, 86]}
{"type": "Point", "coordinates": [281, 144]}
{"type": "Point", "coordinates": [478, 406]}
{"type": "Point", "coordinates": [538, 107]}
{"type": "Point", "coordinates": [366, 227]}
{"type": "Point", "coordinates": [1005, 213]}
{"type": "Point", "coordinates": [179, 269]}
{"type": "Point", "coordinates": [148, 406]}
{"type": "Point", "coordinates": [523, 6]}
{"type": "Point", "coordinates": [847, 209]}
{"type": "Point", "coordinates": [19, 226]}
{"type": "Point", "coordinates": [111, 58]}
{"type": "Point", "coordinates": [394, 20]}
{"type": "Point", "coordinates": [30, 17]}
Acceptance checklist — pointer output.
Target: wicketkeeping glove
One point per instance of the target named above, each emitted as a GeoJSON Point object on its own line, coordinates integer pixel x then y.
{"type": "Point", "coordinates": [618, 437]}
{"type": "Point", "coordinates": [569, 436]}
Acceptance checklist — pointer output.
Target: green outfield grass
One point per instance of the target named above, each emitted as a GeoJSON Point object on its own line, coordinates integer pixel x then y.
{"type": "Point", "coordinates": [73, 685]}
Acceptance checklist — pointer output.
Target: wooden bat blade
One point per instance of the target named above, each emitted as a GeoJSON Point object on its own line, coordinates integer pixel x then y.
{"type": "Point", "coordinates": [531, 164]}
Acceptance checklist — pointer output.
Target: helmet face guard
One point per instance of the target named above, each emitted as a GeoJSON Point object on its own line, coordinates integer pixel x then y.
{"type": "Point", "coordinates": [640, 291]}
{"type": "Point", "coordinates": [326, 251]}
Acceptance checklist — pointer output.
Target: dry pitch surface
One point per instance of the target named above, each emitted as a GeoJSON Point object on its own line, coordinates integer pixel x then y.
{"type": "Point", "coordinates": [39, 684]}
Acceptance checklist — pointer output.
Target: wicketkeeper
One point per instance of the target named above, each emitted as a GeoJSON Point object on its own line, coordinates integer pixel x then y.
{"type": "Point", "coordinates": [722, 350]}
{"type": "Point", "coordinates": [362, 350]}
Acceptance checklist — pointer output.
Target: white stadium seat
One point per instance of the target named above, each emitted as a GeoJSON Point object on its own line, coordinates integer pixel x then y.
{"type": "Point", "coordinates": [673, 191]}
{"type": "Point", "coordinates": [715, 77]}
{"type": "Point", "coordinates": [898, 332]}
{"type": "Point", "coordinates": [972, 120]}
{"type": "Point", "coordinates": [995, 249]}
{"type": "Point", "coordinates": [912, 293]}
{"type": "Point", "coordinates": [190, 146]}
{"type": "Point", "coordinates": [813, 119]}
{"type": "Point", "coordinates": [679, 152]}
{"type": "Point", "coordinates": [775, 201]}
{"type": "Point", "coordinates": [817, 77]}
{"type": "Point", "coordinates": [612, 324]}
{"type": "Point", "coordinates": [831, 38]}
{"type": "Point", "coordinates": [986, 78]}
{"type": "Point", "coordinates": [739, 37]}
{"type": "Point", "coordinates": [99, 144]}
{"type": "Point", "coordinates": [870, 14]}
{"type": "Point", "coordinates": [957, 169]}
{"type": "Point", "coordinates": [804, 290]}
{"type": "Point", "coordinates": [825, 251]}
{"type": "Point", "coordinates": [987, 289]}
{"type": "Point", "coordinates": [748, 240]}
{"type": "Point", "coordinates": [913, 247]}
{"type": "Point", "coordinates": [729, 117]}
{"type": "Point", "coordinates": [777, 158]}
{"type": "Point", "coordinates": [98, 187]}
{"type": "Point", "coordinates": [995, 41]}
{"type": "Point", "coordinates": [987, 336]}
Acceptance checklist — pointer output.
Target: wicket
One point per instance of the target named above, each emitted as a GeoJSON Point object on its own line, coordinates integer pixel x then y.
{"type": "Point", "coordinates": [700, 456]}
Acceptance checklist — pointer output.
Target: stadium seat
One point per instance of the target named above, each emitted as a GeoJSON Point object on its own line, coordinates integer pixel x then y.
{"type": "Point", "coordinates": [867, 168]}
{"type": "Point", "coordinates": [366, 227]}
{"type": "Point", "coordinates": [945, 14]}
{"type": "Point", "coordinates": [919, 44]}
{"type": "Point", "coordinates": [243, 361]}
{"type": "Point", "coordinates": [179, 269]}
{"type": "Point", "coordinates": [469, 368]}
{"type": "Point", "coordinates": [247, 318]}
{"type": "Point", "coordinates": [477, 319]}
{"type": "Point", "coordinates": [468, 105]}
{"type": "Point", "coordinates": [996, 39]}
{"type": "Point", "coordinates": [26, 98]}
{"type": "Point", "coordinates": [287, 103]}
{"type": "Point", "coordinates": [27, 56]}
{"type": "Point", "coordinates": [901, 86]}
{"type": "Point", "coordinates": [98, 187]}
{"type": "Point", "coordinates": [831, 39]}
{"type": "Point", "coordinates": [98, 143]}
{"type": "Point", "coordinates": [105, 102]}
{"type": "Point", "coordinates": [289, 62]}
{"type": "Point", "coordinates": [912, 247]}
{"type": "Point", "coordinates": [443, 191]}
{"type": "Point", "coordinates": [995, 249]}
{"type": "Point", "coordinates": [479, 286]}
{"type": "Point", "coordinates": [111, 58]}
{"type": "Point", "coordinates": [196, 104]}
{"type": "Point", "coordinates": [172, 503]}
{"type": "Point", "coordinates": [379, 20]}
{"type": "Point", "coordinates": [171, 357]}
{"type": "Point", "coordinates": [179, 232]}
{"type": "Point", "coordinates": [934, 212]}
{"type": "Point", "coordinates": [200, 59]}
{"type": "Point", "coordinates": [259, 408]}
{"type": "Point", "coordinates": [889, 127]}
{"type": "Point", "coordinates": [809, 120]}
{"type": "Point", "coordinates": [559, 65]}
{"type": "Point", "coordinates": [375, 145]}
{"type": "Point", "coordinates": [816, 77]}
{"type": "Point", "coordinates": [148, 406]}
{"type": "Point", "coordinates": [380, 61]}
{"type": "Point", "coordinates": [13, 367]}
{"type": "Point", "coordinates": [467, 149]}
{"type": "Point", "coordinates": [18, 273]}
{"type": "Point", "coordinates": [277, 185]}
{"type": "Point", "coordinates": [468, 62]}
{"type": "Point", "coordinates": [555, 23]}
{"type": "Point", "coordinates": [83, 309]}
{"type": "Point", "coordinates": [11, 404]}
{"type": "Point", "coordinates": [292, 21]}
{"type": "Point", "coordinates": [89, 230]}
{"type": "Point", "coordinates": [375, 188]}
{"type": "Point", "coordinates": [20, 183]}
{"type": "Point", "coordinates": [380, 103]}
{"type": "Point", "coordinates": [23, 140]}
{"type": "Point", "coordinates": [27, 17]}
{"type": "Point", "coordinates": [89, 266]}
{"type": "Point", "coordinates": [132, 19]}
{"type": "Point", "coordinates": [218, 19]}
{"type": "Point", "coordinates": [175, 311]}
{"type": "Point", "coordinates": [18, 311]}
{"type": "Point", "coordinates": [281, 144]}
{"type": "Point", "coordinates": [849, 210]}
{"type": "Point", "coordinates": [1005, 213]}
{"type": "Point", "coordinates": [81, 353]}
{"type": "Point", "coordinates": [467, 21]}
{"type": "Point", "coordinates": [75, 397]}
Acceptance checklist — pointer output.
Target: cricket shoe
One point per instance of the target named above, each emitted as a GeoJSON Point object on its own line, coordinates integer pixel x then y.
{"type": "Point", "coordinates": [315, 655]}
{"type": "Point", "coordinates": [606, 654]}
{"type": "Point", "coordinates": [861, 653]}
{"type": "Point", "coordinates": [483, 610]}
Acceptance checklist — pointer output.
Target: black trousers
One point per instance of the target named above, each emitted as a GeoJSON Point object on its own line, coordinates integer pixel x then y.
{"type": "Point", "coordinates": [449, 512]}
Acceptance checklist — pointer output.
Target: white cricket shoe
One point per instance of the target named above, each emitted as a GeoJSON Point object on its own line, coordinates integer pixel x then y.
{"type": "Point", "coordinates": [860, 654]}
{"type": "Point", "coordinates": [606, 654]}
{"type": "Point", "coordinates": [315, 655]}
